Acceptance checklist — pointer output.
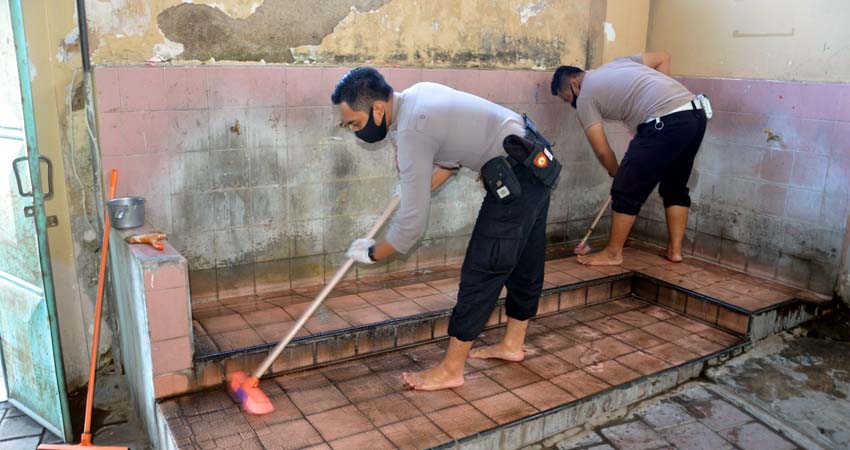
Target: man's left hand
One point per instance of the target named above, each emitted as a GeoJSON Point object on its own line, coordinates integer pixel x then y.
{"type": "Point", "coordinates": [359, 251]}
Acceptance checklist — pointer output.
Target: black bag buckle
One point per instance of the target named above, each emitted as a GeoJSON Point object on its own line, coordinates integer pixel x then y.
{"type": "Point", "coordinates": [500, 181]}
{"type": "Point", "coordinates": [534, 152]}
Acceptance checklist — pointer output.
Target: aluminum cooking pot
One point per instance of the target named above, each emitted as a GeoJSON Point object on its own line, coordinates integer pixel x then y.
{"type": "Point", "coordinates": [126, 212]}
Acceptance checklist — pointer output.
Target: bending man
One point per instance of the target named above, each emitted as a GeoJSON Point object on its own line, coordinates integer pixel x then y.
{"type": "Point", "coordinates": [669, 124]}
{"type": "Point", "coordinates": [438, 130]}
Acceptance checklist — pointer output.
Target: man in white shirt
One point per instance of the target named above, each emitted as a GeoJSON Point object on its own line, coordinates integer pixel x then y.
{"type": "Point", "coordinates": [669, 122]}
{"type": "Point", "coordinates": [438, 130]}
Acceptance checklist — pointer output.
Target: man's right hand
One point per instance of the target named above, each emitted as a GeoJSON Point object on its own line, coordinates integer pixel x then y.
{"type": "Point", "coordinates": [359, 251]}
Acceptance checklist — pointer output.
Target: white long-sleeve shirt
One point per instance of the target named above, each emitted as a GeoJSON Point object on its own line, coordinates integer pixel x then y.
{"type": "Point", "coordinates": [435, 125]}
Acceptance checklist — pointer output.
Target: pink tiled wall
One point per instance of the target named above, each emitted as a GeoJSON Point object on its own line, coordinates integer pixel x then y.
{"type": "Point", "coordinates": [275, 205]}
{"type": "Point", "coordinates": [774, 207]}
{"type": "Point", "coordinates": [263, 209]}
{"type": "Point", "coordinates": [166, 295]}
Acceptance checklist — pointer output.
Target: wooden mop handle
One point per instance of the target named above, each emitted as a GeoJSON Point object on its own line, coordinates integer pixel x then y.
{"type": "Point", "coordinates": [322, 295]}
{"type": "Point", "coordinates": [596, 220]}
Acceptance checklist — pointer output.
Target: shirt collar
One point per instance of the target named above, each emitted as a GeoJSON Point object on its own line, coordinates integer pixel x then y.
{"type": "Point", "coordinates": [398, 99]}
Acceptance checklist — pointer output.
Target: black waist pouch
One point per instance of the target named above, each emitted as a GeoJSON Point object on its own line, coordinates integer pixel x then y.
{"type": "Point", "coordinates": [534, 152]}
{"type": "Point", "coordinates": [500, 180]}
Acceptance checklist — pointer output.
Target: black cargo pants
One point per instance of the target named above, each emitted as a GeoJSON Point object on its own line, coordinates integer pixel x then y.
{"type": "Point", "coordinates": [507, 248]}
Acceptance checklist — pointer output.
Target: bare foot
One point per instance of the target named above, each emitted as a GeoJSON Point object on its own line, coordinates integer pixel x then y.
{"type": "Point", "coordinates": [674, 256]}
{"type": "Point", "coordinates": [603, 258]}
{"type": "Point", "coordinates": [497, 351]}
{"type": "Point", "coordinates": [433, 379]}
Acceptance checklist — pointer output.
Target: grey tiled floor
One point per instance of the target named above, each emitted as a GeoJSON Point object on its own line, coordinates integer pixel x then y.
{"type": "Point", "coordinates": [694, 418]}
{"type": "Point", "coordinates": [19, 432]}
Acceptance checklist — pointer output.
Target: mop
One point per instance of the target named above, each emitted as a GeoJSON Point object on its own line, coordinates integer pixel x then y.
{"type": "Point", "coordinates": [583, 247]}
{"type": "Point", "coordinates": [85, 438]}
{"type": "Point", "coordinates": [245, 389]}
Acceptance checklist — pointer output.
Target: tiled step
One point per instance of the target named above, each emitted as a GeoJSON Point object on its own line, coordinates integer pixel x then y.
{"type": "Point", "coordinates": [580, 364]}
{"type": "Point", "coordinates": [353, 341]}
{"type": "Point", "coordinates": [734, 300]}
{"type": "Point", "coordinates": [386, 313]}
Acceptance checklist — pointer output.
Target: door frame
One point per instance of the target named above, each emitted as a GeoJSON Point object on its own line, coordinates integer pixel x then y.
{"type": "Point", "coordinates": [40, 216]}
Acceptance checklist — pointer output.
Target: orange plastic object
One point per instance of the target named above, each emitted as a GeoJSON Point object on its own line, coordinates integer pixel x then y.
{"type": "Point", "coordinates": [154, 239]}
{"type": "Point", "coordinates": [246, 390]}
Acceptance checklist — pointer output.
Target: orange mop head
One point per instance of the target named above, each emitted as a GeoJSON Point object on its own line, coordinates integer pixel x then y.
{"type": "Point", "coordinates": [582, 248]}
{"type": "Point", "coordinates": [246, 390]}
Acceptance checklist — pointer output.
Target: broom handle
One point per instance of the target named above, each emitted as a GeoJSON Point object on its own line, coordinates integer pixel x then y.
{"type": "Point", "coordinates": [322, 295]}
{"type": "Point", "coordinates": [95, 340]}
{"type": "Point", "coordinates": [595, 221]}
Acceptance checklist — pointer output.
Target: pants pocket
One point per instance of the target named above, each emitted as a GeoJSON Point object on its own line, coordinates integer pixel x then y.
{"type": "Point", "coordinates": [495, 246]}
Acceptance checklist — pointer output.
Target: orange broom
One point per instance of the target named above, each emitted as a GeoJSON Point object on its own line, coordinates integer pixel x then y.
{"type": "Point", "coordinates": [246, 389]}
{"type": "Point", "coordinates": [85, 439]}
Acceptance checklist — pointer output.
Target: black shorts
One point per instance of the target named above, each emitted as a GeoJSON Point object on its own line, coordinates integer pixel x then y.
{"type": "Point", "coordinates": [659, 154]}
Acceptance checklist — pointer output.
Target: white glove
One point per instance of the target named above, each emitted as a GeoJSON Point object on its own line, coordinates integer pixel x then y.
{"type": "Point", "coordinates": [359, 251]}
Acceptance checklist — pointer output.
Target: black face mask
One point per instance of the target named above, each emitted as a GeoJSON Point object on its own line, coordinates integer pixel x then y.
{"type": "Point", "coordinates": [372, 132]}
{"type": "Point", "coordinates": [575, 97]}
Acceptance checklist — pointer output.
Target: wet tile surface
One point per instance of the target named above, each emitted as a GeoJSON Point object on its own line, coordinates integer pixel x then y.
{"type": "Point", "coordinates": [691, 418]}
{"type": "Point", "coordinates": [234, 323]}
{"type": "Point", "coordinates": [347, 404]}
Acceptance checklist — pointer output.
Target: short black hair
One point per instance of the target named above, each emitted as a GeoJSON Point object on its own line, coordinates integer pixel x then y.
{"type": "Point", "coordinates": [361, 87]}
{"type": "Point", "coordinates": [562, 75]}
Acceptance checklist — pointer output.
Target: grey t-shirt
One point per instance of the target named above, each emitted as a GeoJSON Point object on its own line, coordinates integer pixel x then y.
{"type": "Point", "coordinates": [435, 125]}
{"type": "Point", "coordinates": [627, 90]}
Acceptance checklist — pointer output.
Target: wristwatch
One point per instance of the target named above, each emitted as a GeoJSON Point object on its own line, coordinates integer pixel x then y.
{"type": "Point", "coordinates": [372, 253]}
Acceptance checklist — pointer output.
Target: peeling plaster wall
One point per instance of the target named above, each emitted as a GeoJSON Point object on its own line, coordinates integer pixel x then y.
{"type": "Point", "coordinates": [469, 33]}
{"type": "Point", "coordinates": [466, 33]}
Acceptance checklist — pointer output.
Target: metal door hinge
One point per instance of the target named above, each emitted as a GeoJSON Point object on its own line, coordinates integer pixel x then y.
{"type": "Point", "coordinates": [52, 221]}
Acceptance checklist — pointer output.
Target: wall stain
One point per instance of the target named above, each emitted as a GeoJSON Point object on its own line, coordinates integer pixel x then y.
{"type": "Point", "coordinates": [343, 165]}
{"type": "Point", "coordinates": [268, 34]}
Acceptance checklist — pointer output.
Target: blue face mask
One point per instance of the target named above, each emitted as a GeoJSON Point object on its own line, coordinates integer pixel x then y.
{"type": "Point", "coordinates": [372, 132]}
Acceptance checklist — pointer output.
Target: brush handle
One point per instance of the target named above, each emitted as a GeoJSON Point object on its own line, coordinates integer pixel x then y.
{"type": "Point", "coordinates": [322, 295]}
{"type": "Point", "coordinates": [595, 221]}
{"type": "Point", "coordinates": [85, 438]}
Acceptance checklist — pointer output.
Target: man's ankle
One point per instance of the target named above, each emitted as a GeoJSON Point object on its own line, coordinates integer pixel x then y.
{"type": "Point", "coordinates": [614, 252]}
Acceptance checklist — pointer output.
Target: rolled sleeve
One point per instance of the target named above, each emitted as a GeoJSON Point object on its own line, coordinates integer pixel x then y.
{"type": "Point", "coordinates": [415, 163]}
